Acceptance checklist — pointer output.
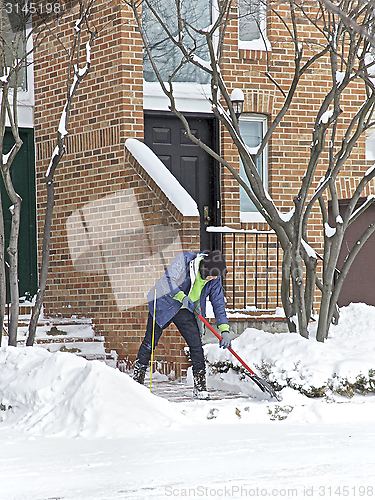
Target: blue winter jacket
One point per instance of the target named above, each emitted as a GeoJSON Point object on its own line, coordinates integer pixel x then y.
{"type": "Point", "coordinates": [177, 278]}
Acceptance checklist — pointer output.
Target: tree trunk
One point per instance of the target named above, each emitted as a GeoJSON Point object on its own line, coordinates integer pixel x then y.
{"type": "Point", "coordinates": [298, 294]}
{"type": "Point", "coordinates": [310, 286]}
{"type": "Point", "coordinates": [288, 305]}
{"type": "Point", "coordinates": [45, 263]}
{"type": "Point", "coordinates": [3, 291]}
{"type": "Point", "coordinates": [323, 325]}
{"type": "Point", "coordinates": [13, 269]}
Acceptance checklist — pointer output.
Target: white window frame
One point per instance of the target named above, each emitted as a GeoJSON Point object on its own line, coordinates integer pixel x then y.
{"type": "Point", "coordinates": [370, 144]}
{"type": "Point", "coordinates": [261, 43]}
{"type": "Point", "coordinates": [193, 97]}
{"type": "Point", "coordinates": [255, 216]}
{"type": "Point", "coordinates": [26, 98]}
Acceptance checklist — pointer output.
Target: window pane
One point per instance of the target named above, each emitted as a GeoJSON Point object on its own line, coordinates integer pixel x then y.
{"type": "Point", "coordinates": [250, 13]}
{"type": "Point", "coordinates": [370, 145]}
{"type": "Point", "coordinates": [11, 41]}
{"type": "Point", "coordinates": [166, 55]}
{"type": "Point", "coordinates": [252, 134]}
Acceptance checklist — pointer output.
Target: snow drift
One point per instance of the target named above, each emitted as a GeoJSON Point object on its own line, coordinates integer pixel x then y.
{"type": "Point", "coordinates": [344, 363]}
{"type": "Point", "coordinates": [65, 395]}
{"type": "Point", "coordinates": [61, 394]}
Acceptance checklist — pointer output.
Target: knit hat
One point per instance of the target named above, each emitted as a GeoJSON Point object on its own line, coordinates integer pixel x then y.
{"type": "Point", "coordinates": [213, 265]}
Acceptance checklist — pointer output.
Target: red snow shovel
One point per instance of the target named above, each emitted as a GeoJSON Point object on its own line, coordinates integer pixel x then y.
{"type": "Point", "coordinates": [260, 382]}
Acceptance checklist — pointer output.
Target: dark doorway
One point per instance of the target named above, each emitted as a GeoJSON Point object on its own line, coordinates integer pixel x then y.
{"type": "Point", "coordinates": [190, 164]}
{"type": "Point", "coordinates": [359, 285]}
{"type": "Point", "coordinates": [23, 177]}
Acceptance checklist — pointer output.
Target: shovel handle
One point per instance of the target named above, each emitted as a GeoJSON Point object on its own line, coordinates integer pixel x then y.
{"type": "Point", "coordinates": [229, 348]}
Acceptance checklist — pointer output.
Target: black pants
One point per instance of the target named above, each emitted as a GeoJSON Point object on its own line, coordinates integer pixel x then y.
{"type": "Point", "coordinates": [187, 326]}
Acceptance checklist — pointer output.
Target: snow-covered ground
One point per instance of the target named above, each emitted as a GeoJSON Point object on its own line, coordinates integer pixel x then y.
{"type": "Point", "coordinates": [72, 429]}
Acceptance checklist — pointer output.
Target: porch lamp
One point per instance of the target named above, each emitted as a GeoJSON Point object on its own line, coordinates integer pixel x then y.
{"type": "Point", "coordinates": [237, 99]}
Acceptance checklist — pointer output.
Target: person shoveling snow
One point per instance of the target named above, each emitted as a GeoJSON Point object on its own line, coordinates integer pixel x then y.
{"type": "Point", "coordinates": [178, 297]}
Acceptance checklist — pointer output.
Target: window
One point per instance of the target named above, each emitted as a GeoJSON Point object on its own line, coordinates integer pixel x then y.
{"type": "Point", "coordinates": [166, 55]}
{"type": "Point", "coordinates": [370, 144]}
{"type": "Point", "coordinates": [252, 24]}
{"type": "Point", "coordinates": [12, 45]}
{"type": "Point", "coordinates": [252, 128]}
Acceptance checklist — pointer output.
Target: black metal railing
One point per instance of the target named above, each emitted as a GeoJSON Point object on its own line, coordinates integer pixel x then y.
{"type": "Point", "coordinates": [254, 264]}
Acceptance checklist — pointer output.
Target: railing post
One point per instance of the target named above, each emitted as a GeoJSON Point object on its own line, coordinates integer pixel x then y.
{"type": "Point", "coordinates": [256, 270]}
{"type": "Point", "coordinates": [267, 266]}
{"type": "Point", "coordinates": [234, 269]}
{"type": "Point", "coordinates": [277, 271]}
{"type": "Point", "coordinates": [244, 275]}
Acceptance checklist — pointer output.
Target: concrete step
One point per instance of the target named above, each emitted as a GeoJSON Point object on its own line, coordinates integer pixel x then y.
{"type": "Point", "coordinates": [74, 335]}
{"type": "Point", "coordinates": [240, 319]}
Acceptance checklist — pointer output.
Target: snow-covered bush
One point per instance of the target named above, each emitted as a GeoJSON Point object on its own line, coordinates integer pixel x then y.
{"type": "Point", "coordinates": [344, 365]}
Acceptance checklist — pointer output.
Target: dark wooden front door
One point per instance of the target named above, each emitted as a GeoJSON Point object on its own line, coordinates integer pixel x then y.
{"type": "Point", "coordinates": [190, 164]}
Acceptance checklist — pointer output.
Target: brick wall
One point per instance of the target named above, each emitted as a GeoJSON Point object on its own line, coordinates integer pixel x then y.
{"type": "Point", "coordinates": [113, 231]}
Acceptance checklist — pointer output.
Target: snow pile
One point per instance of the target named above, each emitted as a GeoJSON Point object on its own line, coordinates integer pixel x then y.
{"type": "Point", "coordinates": [344, 364]}
{"type": "Point", "coordinates": [63, 394]}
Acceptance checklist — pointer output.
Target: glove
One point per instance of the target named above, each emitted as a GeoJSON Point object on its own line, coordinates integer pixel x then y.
{"type": "Point", "coordinates": [188, 303]}
{"type": "Point", "coordinates": [225, 341]}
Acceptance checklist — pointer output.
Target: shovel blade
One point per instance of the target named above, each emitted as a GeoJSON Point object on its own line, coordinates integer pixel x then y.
{"type": "Point", "coordinates": [264, 386]}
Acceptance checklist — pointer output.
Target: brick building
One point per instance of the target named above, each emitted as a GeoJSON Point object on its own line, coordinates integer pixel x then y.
{"type": "Point", "coordinates": [115, 227]}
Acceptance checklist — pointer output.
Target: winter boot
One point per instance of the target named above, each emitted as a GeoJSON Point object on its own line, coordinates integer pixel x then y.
{"type": "Point", "coordinates": [139, 372]}
{"type": "Point", "coordinates": [200, 388]}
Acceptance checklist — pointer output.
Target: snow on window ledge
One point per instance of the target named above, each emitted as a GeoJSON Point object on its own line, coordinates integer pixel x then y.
{"type": "Point", "coordinates": [251, 217]}
{"type": "Point", "coordinates": [258, 44]}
